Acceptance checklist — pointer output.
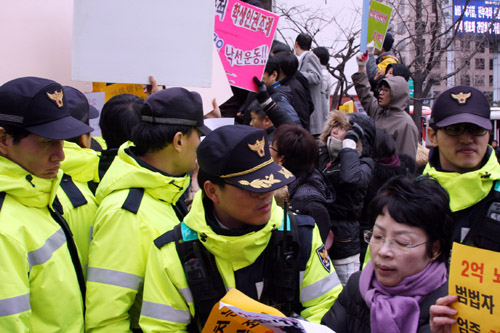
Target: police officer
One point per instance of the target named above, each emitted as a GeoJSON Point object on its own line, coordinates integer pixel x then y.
{"type": "Point", "coordinates": [232, 221]}
{"type": "Point", "coordinates": [464, 163]}
{"type": "Point", "coordinates": [138, 201]}
{"type": "Point", "coordinates": [80, 170]}
{"type": "Point", "coordinates": [42, 280]}
{"type": "Point", "coordinates": [466, 166]}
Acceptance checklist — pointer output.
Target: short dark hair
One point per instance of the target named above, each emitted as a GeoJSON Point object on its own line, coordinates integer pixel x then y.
{"type": "Point", "coordinates": [418, 202]}
{"type": "Point", "coordinates": [288, 63]}
{"type": "Point", "coordinates": [150, 138]}
{"type": "Point", "coordinates": [119, 115]}
{"type": "Point", "coordinates": [323, 55]}
{"type": "Point", "coordinates": [17, 133]}
{"type": "Point", "coordinates": [272, 66]}
{"type": "Point", "coordinates": [279, 47]}
{"type": "Point", "coordinates": [257, 109]}
{"type": "Point", "coordinates": [203, 177]}
{"type": "Point", "coordinates": [298, 147]}
{"type": "Point", "coordinates": [304, 40]}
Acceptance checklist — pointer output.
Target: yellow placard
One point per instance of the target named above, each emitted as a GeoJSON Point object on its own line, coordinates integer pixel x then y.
{"type": "Point", "coordinates": [98, 86]}
{"type": "Point", "coordinates": [224, 319]}
{"type": "Point", "coordinates": [122, 88]}
{"type": "Point", "coordinates": [475, 279]}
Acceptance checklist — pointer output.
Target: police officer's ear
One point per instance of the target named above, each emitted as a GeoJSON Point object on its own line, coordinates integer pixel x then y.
{"type": "Point", "coordinates": [432, 134]}
{"type": "Point", "coordinates": [178, 141]}
{"type": "Point", "coordinates": [4, 137]}
{"type": "Point", "coordinates": [211, 191]}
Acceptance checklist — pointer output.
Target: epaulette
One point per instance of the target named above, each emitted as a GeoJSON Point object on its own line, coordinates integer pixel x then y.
{"type": "Point", "coordinates": [133, 201]}
{"type": "Point", "coordinates": [74, 194]}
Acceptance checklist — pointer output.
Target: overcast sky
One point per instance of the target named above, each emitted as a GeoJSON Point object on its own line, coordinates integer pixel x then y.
{"type": "Point", "coordinates": [346, 12]}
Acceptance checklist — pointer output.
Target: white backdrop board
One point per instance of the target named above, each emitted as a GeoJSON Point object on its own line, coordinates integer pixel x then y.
{"type": "Point", "coordinates": [125, 41]}
{"type": "Point", "coordinates": [36, 41]}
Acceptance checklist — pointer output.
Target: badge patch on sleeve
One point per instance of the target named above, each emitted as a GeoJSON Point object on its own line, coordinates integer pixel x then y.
{"type": "Point", "coordinates": [323, 257]}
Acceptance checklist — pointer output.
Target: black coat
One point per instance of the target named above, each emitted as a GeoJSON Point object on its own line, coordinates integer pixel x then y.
{"type": "Point", "coordinates": [349, 176]}
{"type": "Point", "coordinates": [350, 313]}
{"type": "Point", "coordinates": [310, 195]}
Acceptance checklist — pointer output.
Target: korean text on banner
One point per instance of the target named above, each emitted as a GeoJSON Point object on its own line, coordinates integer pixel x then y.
{"type": "Point", "coordinates": [236, 312]}
{"type": "Point", "coordinates": [243, 36]}
{"type": "Point", "coordinates": [378, 21]}
{"type": "Point", "coordinates": [475, 279]}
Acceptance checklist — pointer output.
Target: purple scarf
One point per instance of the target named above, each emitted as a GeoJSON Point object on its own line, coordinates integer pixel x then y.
{"type": "Point", "coordinates": [396, 309]}
{"type": "Point", "coordinates": [392, 160]}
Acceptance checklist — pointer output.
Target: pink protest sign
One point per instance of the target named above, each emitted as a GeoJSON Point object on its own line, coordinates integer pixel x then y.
{"type": "Point", "coordinates": [243, 36]}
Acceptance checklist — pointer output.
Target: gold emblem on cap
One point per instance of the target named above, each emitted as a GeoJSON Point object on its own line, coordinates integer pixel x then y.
{"type": "Point", "coordinates": [261, 183]}
{"type": "Point", "coordinates": [461, 97]}
{"type": "Point", "coordinates": [285, 173]}
{"type": "Point", "coordinates": [258, 147]}
{"type": "Point", "coordinates": [56, 96]}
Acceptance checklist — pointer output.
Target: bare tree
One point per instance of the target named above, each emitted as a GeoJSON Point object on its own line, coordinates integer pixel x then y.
{"type": "Point", "coordinates": [343, 47]}
{"type": "Point", "coordinates": [428, 42]}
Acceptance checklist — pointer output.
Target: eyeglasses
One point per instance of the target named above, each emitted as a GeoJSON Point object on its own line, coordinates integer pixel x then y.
{"type": "Point", "coordinates": [398, 245]}
{"type": "Point", "coordinates": [459, 129]}
{"type": "Point", "coordinates": [273, 149]}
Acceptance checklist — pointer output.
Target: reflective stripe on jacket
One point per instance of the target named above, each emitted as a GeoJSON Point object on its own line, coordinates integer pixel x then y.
{"type": "Point", "coordinates": [122, 238]}
{"type": "Point", "coordinates": [40, 291]}
{"type": "Point", "coordinates": [168, 303]}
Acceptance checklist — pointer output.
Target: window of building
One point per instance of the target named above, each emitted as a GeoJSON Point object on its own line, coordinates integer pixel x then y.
{"type": "Point", "coordinates": [465, 45]}
{"type": "Point", "coordinates": [465, 80]}
{"type": "Point", "coordinates": [491, 80]}
{"type": "Point", "coordinates": [491, 64]}
{"type": "Point", "coordinates": [480, 46]}
{"type": "Point", "coordinates": [479, 63]}
{"type": "Point", "coordinates": [467, 63]}
{"type": "Point", "coordinates": [479, 80]}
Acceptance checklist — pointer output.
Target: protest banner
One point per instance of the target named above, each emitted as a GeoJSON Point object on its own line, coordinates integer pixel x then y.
{"type": "Point", "coordinates": [475, 279]}
{"type": "Point", "coordinates": [243, 36]}
{"type": "Point", "coordinates": [237, 312]}
{"type": "Point", "coordinates": [378, 20]}
{"type": "Point", "coordinates": [126, 41]}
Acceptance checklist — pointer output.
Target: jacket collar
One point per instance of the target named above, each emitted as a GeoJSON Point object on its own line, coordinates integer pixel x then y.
{"type": "Point", "coordinates": [80, 163]}
{"type": "Point", "coordinates": [125, 172]}
{"type": "Point", "coordinates": [26, 188]}
{"type": "Point", "coordinates": [239, 251]}
{"type": "Point", "coordinates": [465, 189]}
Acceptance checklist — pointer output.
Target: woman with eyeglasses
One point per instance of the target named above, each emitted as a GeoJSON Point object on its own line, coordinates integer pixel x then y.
{"type": "Point", "coordinates": [410, 245]}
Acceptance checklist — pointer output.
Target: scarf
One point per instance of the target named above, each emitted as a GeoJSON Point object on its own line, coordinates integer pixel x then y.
{"type": "Point", "coordinates": [396, 309]}
{"type": "Point", "coordinates": [392, 160]}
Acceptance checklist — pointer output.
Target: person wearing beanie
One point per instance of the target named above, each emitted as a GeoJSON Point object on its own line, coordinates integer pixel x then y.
{"type": "Point", "coordinates": [384, 57]}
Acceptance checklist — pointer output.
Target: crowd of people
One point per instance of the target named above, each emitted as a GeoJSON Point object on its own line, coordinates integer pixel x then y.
{"type": "Point", "coordinates": [313, 211]}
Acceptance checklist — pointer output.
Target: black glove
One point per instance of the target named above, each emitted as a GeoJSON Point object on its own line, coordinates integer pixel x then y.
{"type": "Point", "coordinates": [262, 94]}
{"type": "Point", "coordinates": [355, 133]}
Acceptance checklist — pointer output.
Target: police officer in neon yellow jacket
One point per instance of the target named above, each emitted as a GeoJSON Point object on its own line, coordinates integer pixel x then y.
{"type": "Point", "coordinates": [138, 199]}
{"type": "Point", "coordinates": [465, 165]}
{"type": "Point", "coordinates": [80, 168]}
{"type": "Point", "coordinates": [42, 278]}
{"type": "Point", "coordinates": [233, 217]}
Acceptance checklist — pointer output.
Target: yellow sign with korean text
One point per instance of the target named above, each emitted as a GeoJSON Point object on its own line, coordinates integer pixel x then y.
{"type": "Point", "coordinates": [119, 88]}
{"type": "Point", "coordinates": [475, 279]}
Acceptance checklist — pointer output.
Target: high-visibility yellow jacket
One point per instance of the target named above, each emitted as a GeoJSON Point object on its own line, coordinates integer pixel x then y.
{"type": "Point", "coordinates": [168, 303]}
{"type": "Point", "coordinates": [126, 224]}
{"type": "Point", "coordinates": [78, 201]}
{"type": "Point", "coordinates": [39, 287]}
